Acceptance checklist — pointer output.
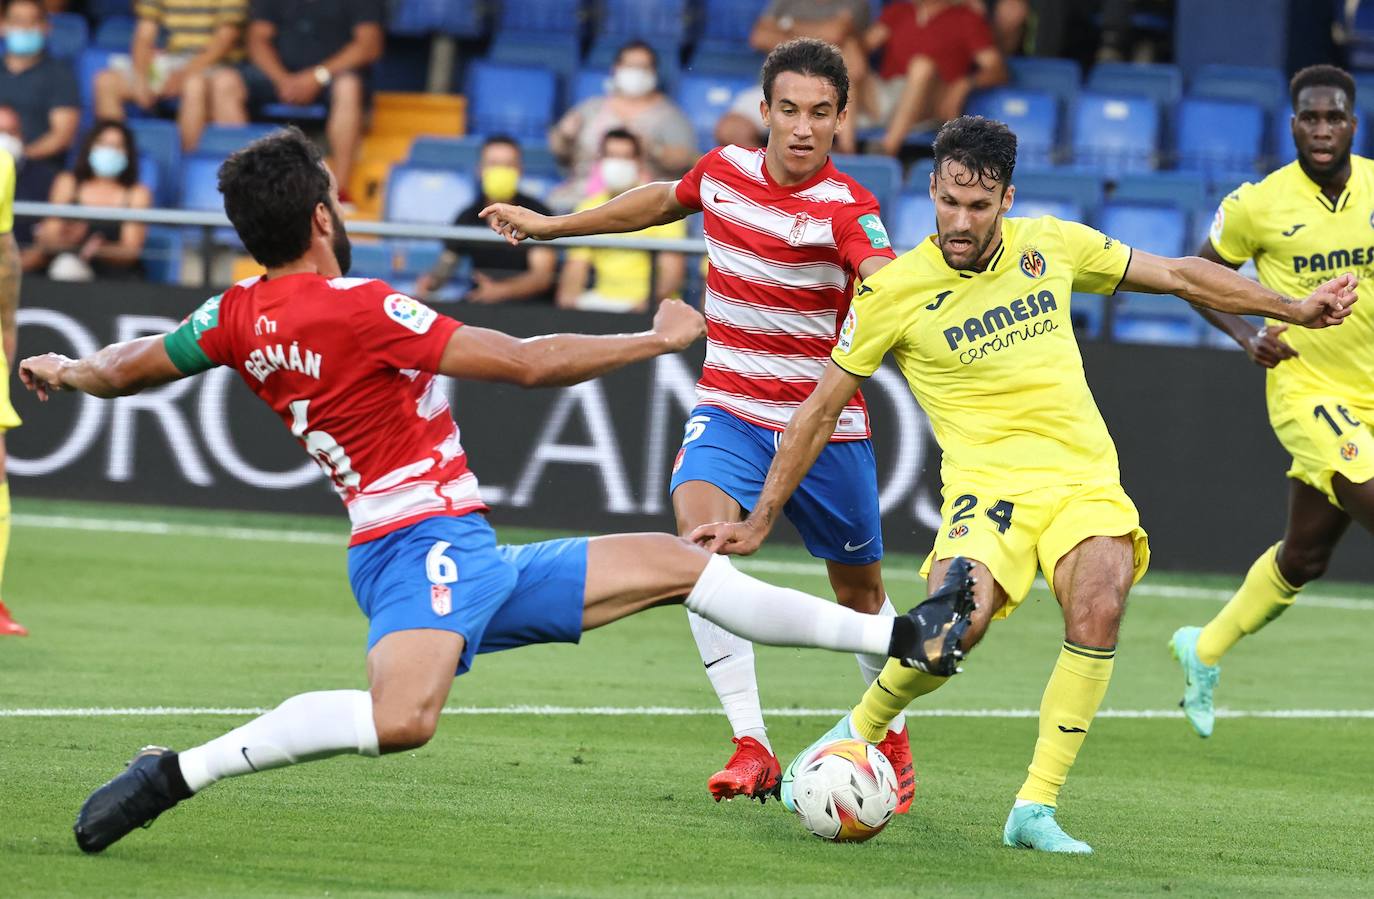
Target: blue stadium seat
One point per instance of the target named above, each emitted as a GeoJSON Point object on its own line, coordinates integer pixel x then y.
{"type": "Point", "coordinates": [1281, 136]}
{"type": "Point", "coordinates": [564, 17]}
{"type": "Point", "coordinates": [457, 153]}
{"type": "Point", "coordinates": [912, 221]}
{"type": "Point", "coordinates": [1060, 77]}
{"type": "Point", "coordinates": [160, 140]}
{"type": "Point", "coordinates": [221, 140]}
{"type": "Point", "coordinates": [100, 10]}
{"type": "Point", "coordinates": [1035, 207]}
{"type": "Point", "coordinates": [1032, 115]}
{"type": "Point", "coordinates": [1147, 318]}
{"type": "Point", "coordinates": [161, 255]}
{"type": "Point", "coordinates": [517, 100]}
{"type": "Point", "coordinates": [882, 175]}
{"type": "Point", "coordinates": [200, 183]}
{"type": "Point", "coordinates": [1161, 82]}
{"type": "Point", "coordinates": [715, 57]}
{"type": "Point", "coordinates": [150, 177]}
{"type": "Point", "coordinates": [1086, 313]}
{"type": "Point", "coordinates": [1219, 135]}
{"type": "Point", "coordinates": [730, 21]}
{"type": "Point", "coordinates": [428, 196]}
{"type": "Point", "coordinates": [68, 35]}
{"type": "Point", "coordinates": [1115, 134]}
{"type": "Point", "coordinates": [588, 83]}
{"type": "Point", "coordinates": [115, 33]}
{"type": "Point", "coordinates": [373, 259]}
{"type": "Point", "coordinates": [1249, 84]}
{"type": "Point", "coordinates": [424, 17]}
{"type": "Point", "coordinates": [415, 257]}
{"type": "Point", "coordinates": [705, 98]}
{"type": "Point", "coordinates": [289, 112]}
{"type": "Point", "coordinates": [1083, 189]}
{"type": "Point", "coordinates": [654, 21]}
{"type": "Point", "coordinates": [1162, 230]}
{"type": "Point", "coordinates": [1186, 190]}
{"type": "Point", "coordinates": [559, 52]}
{"type": "Point", "coordinates": [603, 52]}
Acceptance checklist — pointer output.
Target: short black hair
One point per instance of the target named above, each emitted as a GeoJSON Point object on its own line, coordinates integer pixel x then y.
{"type": "Point", "coordinates": [81, 168]}
{"type": "Point", "coordinates": [807, 56]}
{"type": "Point", "coordinates": [1321, 76]}
{"type": "Point", "coordinates": [637, 44]}
{"type": "Point", "coordinates": [271, 188]}
{"type": "Point", "coordinates": [494, 140]}
{"type": "Point", "coordinates": [622, 134]}
{"type": "Point", "coordinates": [986, 147]}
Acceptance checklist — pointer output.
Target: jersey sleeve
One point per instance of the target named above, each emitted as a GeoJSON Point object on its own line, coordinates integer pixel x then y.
{"type": "Point", "coordinates": [6, 193]}
{"type": "Point", "coordinates": [688, 189]}
{"type": "Point", "coordinates": [873, 326]}
{"type": "Point", "coordinates": [197, 345]}
{"type": "Point", "coordinates": [860, 233]}
{"type": "Point", "coordinates": [1232, 234]}
{"type": "Point", "coordinates": [1099, 262]}
{"type": "Point", "coordinates": [398, 331]}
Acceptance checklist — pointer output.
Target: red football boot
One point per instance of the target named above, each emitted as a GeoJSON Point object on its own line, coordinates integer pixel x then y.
{"type": "Point", "coordinates": [752, 771]}
{"type": "Point", "coordinates": [896, 746]}
{"type": "Point", "coordinates": [10, 627]}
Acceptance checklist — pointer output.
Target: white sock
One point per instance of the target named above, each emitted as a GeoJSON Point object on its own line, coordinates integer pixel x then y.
{"type": "Point", "coordinates": [778, 616]}
{"type": "Point", "coordinates": [870, 666]}
{"type": "Point", "coordinates": [729, 662]}
{"type": "Point", "coordinates": [303, 728]}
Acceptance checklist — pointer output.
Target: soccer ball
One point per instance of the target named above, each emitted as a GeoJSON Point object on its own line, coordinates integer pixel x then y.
{"type": "Point", "coordinates": [845, 791]}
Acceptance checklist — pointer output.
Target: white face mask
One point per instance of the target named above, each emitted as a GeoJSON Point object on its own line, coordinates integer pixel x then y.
{"type": "Point", "coordinates": [619, 174]}
{"type": "Point", "coordinates": [12, 145]}
{"type": "Point", "coordinates": [632, 81]}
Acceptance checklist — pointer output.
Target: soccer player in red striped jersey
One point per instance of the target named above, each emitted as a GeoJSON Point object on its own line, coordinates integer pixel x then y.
{"type": "Point", "coordinates": [788, 237]}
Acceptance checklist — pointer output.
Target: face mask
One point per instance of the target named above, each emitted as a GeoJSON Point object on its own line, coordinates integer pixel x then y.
{"type": "Point", "coordinates": [499, 182]}
{"type": "Point", "coordinates": [12, 145]}
{"type": "Point", "coordinates": [343, 249]}
{"type": "Point", "coordinates": [633, 81]}
{"type": "Point", "coordinates": [108, 162]}
{"type": "Point", "coordinates": [24, 41]}
{"type": "Point", "coordinates": [619, 174]}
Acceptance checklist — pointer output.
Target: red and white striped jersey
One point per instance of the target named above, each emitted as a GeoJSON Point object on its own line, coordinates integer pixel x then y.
{"type": "Point", "coordinates": [348, 364]}
{"type": "Point", "coordinates": [783, 261]}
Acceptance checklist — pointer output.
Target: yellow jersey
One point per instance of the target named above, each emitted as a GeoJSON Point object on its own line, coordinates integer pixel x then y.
{"type": "Point", "coordinates": [623, 275]}
{"type": "Point", "coordinates": [6, 192]}
{"type": "Point", "coordinates": [1298, 239]}
{"type": "Point", "coordinates": [991, 356]}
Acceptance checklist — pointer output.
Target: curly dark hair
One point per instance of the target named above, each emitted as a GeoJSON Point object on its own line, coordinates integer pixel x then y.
{"type": "Point", "coordinates": [986, 147]}
{"type": "Point", "coordinates": [81, 168]}
{"type": "Point", "coordinates": [807, 56]}
{"type": "Point", "coordinates": [271, 188]}
{"type": "Point", "coordinates": [1321, 76]}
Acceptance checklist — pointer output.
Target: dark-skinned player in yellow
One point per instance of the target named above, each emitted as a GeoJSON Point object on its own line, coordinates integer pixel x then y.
{"type": "Point", "coordinates": [1304, 221]}
{"type": "Point", "coordinates": [977, 319]}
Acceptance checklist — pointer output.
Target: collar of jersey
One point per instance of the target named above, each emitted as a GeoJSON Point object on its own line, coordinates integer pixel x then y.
{"type": "Point", "coordinates": [1328, 204]}
{"type": "Point", "coordinates": [931, 251]}
{"type": "Point", "coordinates": [825, 171]}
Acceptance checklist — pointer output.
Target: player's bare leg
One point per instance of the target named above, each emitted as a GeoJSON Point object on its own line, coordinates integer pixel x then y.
{"type": "Point", "coordinates": [1091, 582]}
{"type": "Point", "coordinates": [8, 626]}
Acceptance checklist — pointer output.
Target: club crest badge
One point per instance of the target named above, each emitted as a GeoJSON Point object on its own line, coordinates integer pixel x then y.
{"type": "Point", "coordinates": [1350, 451]}
{"type": "Point", "coordinates": [1032, 263]}
{"type": "Point", "coordinates": [958, 531]}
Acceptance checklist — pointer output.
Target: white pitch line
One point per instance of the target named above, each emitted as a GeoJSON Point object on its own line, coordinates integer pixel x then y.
{"type": "Point", "coordinates": [763, 566]}
{"type": "Point", "coordinates": [679, 712]}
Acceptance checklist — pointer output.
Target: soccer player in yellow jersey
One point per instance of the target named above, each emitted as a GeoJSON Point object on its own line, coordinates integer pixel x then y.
{"type": "Point", "coordinates": [9, 307]}
{"type": "Point", "coordinates": [1303, 222]}
{"type": "Point", "coordinates": [977, 318]}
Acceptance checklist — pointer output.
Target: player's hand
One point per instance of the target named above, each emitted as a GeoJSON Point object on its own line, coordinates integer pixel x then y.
{"type": "Point", "coordinates": [678, 325]}
{"type": "Point", "coordinates": [43, 374]}
{"type": "Point", "coordinates": [515, 223]}
{"type": "Point", "coordinates": [1266, 347]}
{"type": "Point", "coordinates": [730, 538]}
{"type": "Point", "coordinates": [1327, 305]}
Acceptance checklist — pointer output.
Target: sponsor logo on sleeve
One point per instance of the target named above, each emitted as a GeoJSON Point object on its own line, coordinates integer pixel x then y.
{"type": "Point", "coordinates": [207, 316]}
{"type": "Point", "coordinates": [409, 313]}
{"type": "Point", "coordinates": [877, 234]}
{"type": "Point", "coordinates": [846, 339]}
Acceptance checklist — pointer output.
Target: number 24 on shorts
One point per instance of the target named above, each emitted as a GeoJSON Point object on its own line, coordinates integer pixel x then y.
{"type": "Point", "coordinates": [1000, 512]}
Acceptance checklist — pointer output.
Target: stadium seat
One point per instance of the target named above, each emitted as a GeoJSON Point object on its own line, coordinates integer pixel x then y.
{"type": "Point", "coordinates": [560, 17]}
{"type": "Point", "coordinates": [1114, 133]}
{"type": "Point", "coordinates": [290, 112]}
{"type": "Point", "coordinates": [1162, 230]}
{"type": "Point", "coordinates": [1035, 207]}
{"type": "Point", "coordinates": [705, 98]}
{"type": "Point", "coordinates": [588, 83]}
{"type": "Point", "coordinates": [221, 140]}
{"type": "Point", "coordinates": [912, 221]}
{"type": "Point", "coordinates": [1032, 115]}
{"type": "Point", "coordinates": [1086, 311]}
{"type": "Point", "coordinates": [160, 140]}
{"type": "Point", "coordinates": [559, 52]}
{"type": "Point", "coordinates": [1060, 77]}
{"type": "Point", "coordinates": [654, 21]}
{"type": "Point", "coordinates": [1185, 190]}
{"type": "Point", "coordinates": [1219, 135]}
{"type": "Point", "coordinates": [373, 259]}
{"type": "Point", "coordinates": [1161, 82]}
{"type": "Point", "coordinates": [161, 257]}
{"type": "Point", "coordinates": [427, 196]}
{"type": "Point", "coordinates": [882, 175]}
{"type": "Point", "coordinates": [456, 153]}
{"type": "Point", "coordinates": [68, 35]}
{"type": "Point", "coordinates": [713, 57]}
{"type": "Point", "coordinates": [115, 33]}
{"type": "Point", "coordinates": [403, 113]}
{"type": "Point", "coordinates": [200, 183]}
{"type": "Point", "coordinates": [1248, 84]}
{"type": "Point", "coordinates": [730, 21]}
{"type": "Point", "coordinates": [516, 100]}
{"type": "Point", "coordinates": [1281, 136]}
{"type": "Point", "coordinates": [1084, 189]}
{"type": "Point", "coordinates": [1147, 318]}
{"type": "Point", "coordinates": [100, 10]}
{"type": "Point", "coordinates": [424, 17]}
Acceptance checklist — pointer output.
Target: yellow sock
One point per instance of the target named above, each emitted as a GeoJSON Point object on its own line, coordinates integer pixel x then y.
{"type": "Point", "coordinates": [4, 525]}
{"type": "Point", "coordinates": [1265, 595]}
{"type": "Point", "coordinates": [888, 696]}
{"type": "Point", "coordinates": [1071, 699]}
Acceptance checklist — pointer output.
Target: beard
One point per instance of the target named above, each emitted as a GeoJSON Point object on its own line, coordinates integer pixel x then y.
{"type": "Point", "coordinates": [343, 248]}
{"type": "Point", "coordinates": [980, 246]}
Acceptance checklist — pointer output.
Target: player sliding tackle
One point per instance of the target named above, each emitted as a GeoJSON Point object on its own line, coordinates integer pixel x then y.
{"type": "Point", "coordinates": [350, 366]}
{"type": "Point", "coordinates": [977, 318]}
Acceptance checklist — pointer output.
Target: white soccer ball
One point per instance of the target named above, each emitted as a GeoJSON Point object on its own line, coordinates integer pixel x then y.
{"type": "Point", "coordinates": [845, 791]}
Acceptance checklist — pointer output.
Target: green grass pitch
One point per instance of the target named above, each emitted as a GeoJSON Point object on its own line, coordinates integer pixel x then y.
{"type": "Point", "coordinates": [537, 804]}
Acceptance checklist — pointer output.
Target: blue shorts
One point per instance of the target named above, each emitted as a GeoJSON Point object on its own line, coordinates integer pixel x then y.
{"type": "Point", "coordinates": [447, 573]}
{"type": "Point", "coordinates": [835, 508]}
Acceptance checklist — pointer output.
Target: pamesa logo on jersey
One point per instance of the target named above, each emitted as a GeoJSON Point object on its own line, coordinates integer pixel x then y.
{"type": "Point", "coordinates": [1032, 263]}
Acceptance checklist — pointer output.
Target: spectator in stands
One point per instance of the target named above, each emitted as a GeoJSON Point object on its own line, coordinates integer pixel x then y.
{"type": "Point", "coordinates": [934, 53]}
{"type": "Point", "coordinates": [742, 123]}
{"type": "Point", "coordinates": [31, 182]}
{"type": "Point", "coordinates": [303, 52]}
{"type": "Point", "coordinates": [105, 174]}
{"type": "Point", "coordinates": [635, 104]}
{"type": "Point", "coordinates": [1008, 19]}
{"type": "Point", "coordinates": [501, 273]}
{"type": "Point", "coordinates": [204, 40]}
{"type": "Point", "coordinates": [621, 279]}
{"type": "Point", "coordinates": [839, 22]}
{"type": "Point", "coordinates": [41, 89]}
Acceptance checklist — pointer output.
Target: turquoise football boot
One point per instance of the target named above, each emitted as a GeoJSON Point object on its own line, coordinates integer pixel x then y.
{"type": "Point", "coordinates": [1199, 680]}
{"type": "Point", "coordinates": [842, 730]}
{"type": "Point", "coordinates": [1033, 827]}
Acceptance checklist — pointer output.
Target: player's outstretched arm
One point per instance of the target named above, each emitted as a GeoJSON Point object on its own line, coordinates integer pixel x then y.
{"type": "Point", "coordinates": [634, 210]}
{"type": "Point", "coordinates": [557, 360]}
{"type": "Point", "coordinates": [1263, 345]}
{"type": "Point", "coordinates": [807, 434]}
{"type": "Point", "coordinates": [1217, 287]}
{"type": "Point", "coordinates": [118, 370]}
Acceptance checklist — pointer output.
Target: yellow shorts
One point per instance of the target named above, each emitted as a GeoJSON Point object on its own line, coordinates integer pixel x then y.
{"type": "Point", "coordinates": [1013, 534]}
{"type": "Point", "coordinates": [1325, 435]}
{"type": "Point", "coordinates": [8, 417]}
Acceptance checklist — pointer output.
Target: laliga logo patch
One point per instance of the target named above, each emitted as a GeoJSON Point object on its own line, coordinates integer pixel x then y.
{"type": "Point", "coordinates": [1032, 263]}
{"type": "Point", "coordinates": [1349, 452]}
{"type": "Point", "coordinates": [440, 599]}
{"type": "Point", "coordinates": [677, 461]}
{"type": "Point", "coordinates": [958, 531]}
{"type": "Point", "coordinates": [851, 324]}
{"type": "Point", "coordinates": [410, 313]}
